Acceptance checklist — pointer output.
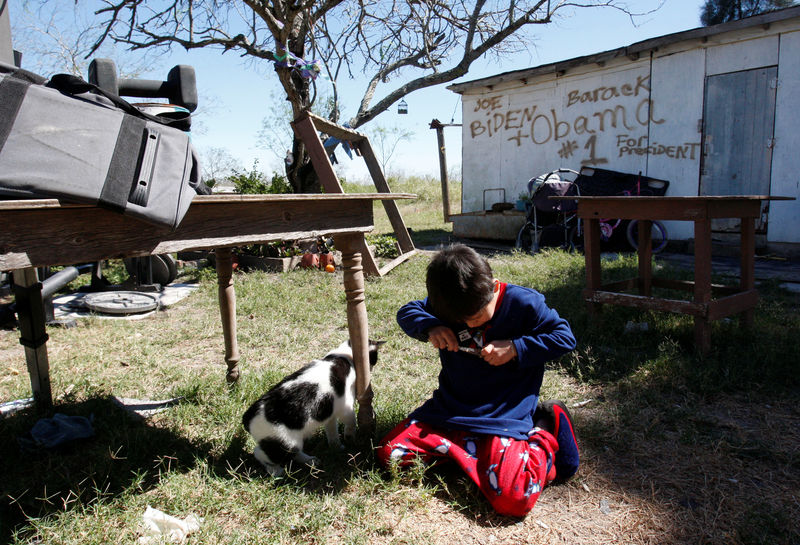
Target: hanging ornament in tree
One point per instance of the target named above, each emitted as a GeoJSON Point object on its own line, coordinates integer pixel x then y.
{"type": "Point", "coordinates": [308, 69]}
{"type": "Point", "coordinates": [402, 107]}
{"type": "Point", "coordinates": [311, 70]}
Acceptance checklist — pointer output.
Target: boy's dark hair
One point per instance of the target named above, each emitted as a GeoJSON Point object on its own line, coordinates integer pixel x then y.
{"type": "Point", "coordinates": [460, 283]}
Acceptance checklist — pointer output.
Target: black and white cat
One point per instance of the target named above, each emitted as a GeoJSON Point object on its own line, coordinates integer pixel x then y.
{"type": "Point", "coordinates": [319, 394]}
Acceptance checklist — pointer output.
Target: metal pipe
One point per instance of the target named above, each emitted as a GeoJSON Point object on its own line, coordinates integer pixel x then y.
{"type": "Point", "coordinates": [59, 280]}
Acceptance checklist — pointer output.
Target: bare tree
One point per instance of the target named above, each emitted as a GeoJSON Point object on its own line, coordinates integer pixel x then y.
{"type": "Point", "coordinates": [385, 141]}
{"type": "Point", "coordinates": [55, 38]}
{"type": "Point", "coordinates": [218, 164]}
{"type": "Point", "coordinates": [400, 45]}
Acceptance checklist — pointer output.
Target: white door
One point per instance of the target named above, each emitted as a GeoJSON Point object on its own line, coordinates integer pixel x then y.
{"type": "Point", "coordinates": [739, 119]}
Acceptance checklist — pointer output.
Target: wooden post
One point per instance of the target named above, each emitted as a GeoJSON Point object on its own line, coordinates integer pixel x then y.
{"type": "Point", "coordinates": [307, 132]}
{"type": "Point", "coordinates": [357, 326]}
{"type": "Point", "coordinates": [436, 124]}
{"type": "Point", "coordinates": [227, 310]}
{"type": "Point", "coordinates": [591, 248]}
{"type": "Point", "coordinates": [33, 333]}
{"type": "Point", "coordinates": [702, 282]}
{"type": "Point", "coordinates": [747, 279]}
{"type": "Point", "coordinates": [644, 240]}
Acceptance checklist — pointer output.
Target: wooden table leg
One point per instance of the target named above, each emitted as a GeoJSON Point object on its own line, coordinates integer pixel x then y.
{"type": "Point", "coordinates": [591, 249]}
{"type": "Point", "coordinates": [702, 283]}
{"type": "Point", "coordinates": [227, 310]}
{"type": "Point", "coordinates": [645, 252]}
{"type": "Point", "coordinates": [747, 279]}
{"type": "Point", "coordinates": [33, 333]}
{"type": "Point", "coordinates": [357, 326]}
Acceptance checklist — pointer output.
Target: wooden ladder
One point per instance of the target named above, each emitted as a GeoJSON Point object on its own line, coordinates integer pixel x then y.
{"type": "Point", "coordinates": [307, 127]}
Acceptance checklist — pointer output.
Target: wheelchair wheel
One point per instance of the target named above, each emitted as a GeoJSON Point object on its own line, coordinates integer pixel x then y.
{"type": "Point", "coordinates": [658, 235]}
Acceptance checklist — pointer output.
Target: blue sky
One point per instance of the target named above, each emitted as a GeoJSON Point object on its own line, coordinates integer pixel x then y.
{"type": "Point", "coordinates": [235, 95]}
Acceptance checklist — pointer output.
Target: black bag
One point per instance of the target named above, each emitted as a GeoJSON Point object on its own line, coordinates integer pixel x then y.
{"type": "Point", "coordinates": [68, 139]}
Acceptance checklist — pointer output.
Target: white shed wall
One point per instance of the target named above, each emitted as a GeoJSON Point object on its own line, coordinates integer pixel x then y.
{"type": "Point", "coordinates": [678, 81]}
{"type": "Point", "coordinates": [518, 132]}
{"type": "Point", "coordinates": [745, 55]}
{"type": "Point", "coordinates": [630, 115]}
{"type": "Point", "coordinates": [784, 217]}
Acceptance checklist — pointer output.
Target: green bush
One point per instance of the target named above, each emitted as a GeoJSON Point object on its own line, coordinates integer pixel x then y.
{"type": "Point", "coordinates": [255, 182]}
{"type": "Point", "coordinates": [385, 245]}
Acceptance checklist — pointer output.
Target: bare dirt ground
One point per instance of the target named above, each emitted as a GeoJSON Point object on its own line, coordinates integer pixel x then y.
{"type": "Point", "coordinates": [739, 487]}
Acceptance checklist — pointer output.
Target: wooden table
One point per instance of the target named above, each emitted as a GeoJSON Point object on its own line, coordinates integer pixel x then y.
{"type": "Point", "coordinates": [704, 306]}
{"type": "Point", "coordinates": [37, 233]}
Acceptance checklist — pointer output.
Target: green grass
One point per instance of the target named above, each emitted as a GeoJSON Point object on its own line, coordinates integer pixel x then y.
{"type": "Point", "coordinates": [669, 428]}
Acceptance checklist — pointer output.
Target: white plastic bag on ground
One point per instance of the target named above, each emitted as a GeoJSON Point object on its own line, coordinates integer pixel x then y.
{"type": "Point", "coordinates": [158, 527]}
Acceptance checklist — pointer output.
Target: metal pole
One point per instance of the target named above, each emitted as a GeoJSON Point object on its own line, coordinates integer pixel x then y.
{"type": "Point", "coordinates": [6, 50]}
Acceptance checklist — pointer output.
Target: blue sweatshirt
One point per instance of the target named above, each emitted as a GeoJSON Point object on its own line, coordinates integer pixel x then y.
{"type": "Point", "coordinates": [475, 396]}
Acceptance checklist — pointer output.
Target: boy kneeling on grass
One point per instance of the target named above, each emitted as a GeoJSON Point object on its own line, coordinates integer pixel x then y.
{"type": "Point", "coordinates": [493, 339]}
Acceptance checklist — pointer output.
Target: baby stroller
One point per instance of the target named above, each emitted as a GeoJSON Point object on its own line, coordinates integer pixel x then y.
{"type": "Point", "coordinates": [551, 222]}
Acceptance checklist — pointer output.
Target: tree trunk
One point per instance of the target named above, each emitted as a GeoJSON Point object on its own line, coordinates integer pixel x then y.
{"type": "Point", "coordinates": [300, 173]}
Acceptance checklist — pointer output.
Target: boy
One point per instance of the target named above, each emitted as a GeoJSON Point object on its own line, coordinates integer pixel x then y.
{"type": "Point", "coordinates": [493, 340]}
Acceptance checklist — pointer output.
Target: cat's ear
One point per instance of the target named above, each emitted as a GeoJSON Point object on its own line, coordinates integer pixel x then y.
{"type": "Point", "coordinates": [377, 344]}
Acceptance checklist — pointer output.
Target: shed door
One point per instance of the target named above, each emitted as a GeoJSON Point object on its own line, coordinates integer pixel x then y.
{"type": "Point", "coordinates": [738, 127]}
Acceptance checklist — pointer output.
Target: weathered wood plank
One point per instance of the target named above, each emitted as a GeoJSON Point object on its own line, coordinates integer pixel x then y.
{"type": "Point", "coordinates": [732, 304]}
{"type": "Point", "coordinates": [63, 235]}
{"type": "Point", "coordinates": [397, 261]}
{"type": "Point", "coordinates": [670, 208]}
{"type": "Point", "coordinates": [648, 303]}
{"type": "Point", "coordinates": [307, 132]}
{"type": "Point", "coordinates": [200, 200]}
{"type": "Point", "coordinates": [337, 131]}
{"type": "Point", "coordinates": [307, 127]}
{"type": "Point", "coordinates": [702, 282]}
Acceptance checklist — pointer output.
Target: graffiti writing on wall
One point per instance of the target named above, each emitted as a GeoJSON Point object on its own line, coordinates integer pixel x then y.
{"type": "Point", "coordinates": [641, 146]}
{"type": "Point", "coordinates": [600, 118]}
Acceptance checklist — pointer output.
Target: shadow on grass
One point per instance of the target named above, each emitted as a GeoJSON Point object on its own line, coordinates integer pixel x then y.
{"type": "Point", "coordinates": [693, 435]}
{"type": "Point", "coordinates": [690, 440]}
{"type": "Point", "coordinates": [122, 455]}
{"type": "Point", "coordinates": [129, 455]}
{"type": "Point", "coordinates": [426, 238]}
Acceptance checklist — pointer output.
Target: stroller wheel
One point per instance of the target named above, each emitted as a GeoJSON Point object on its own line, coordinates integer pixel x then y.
{"type": "Point", "coordinates": [575, 237]}
{"type": "Point", "coordinates": [525, 239]}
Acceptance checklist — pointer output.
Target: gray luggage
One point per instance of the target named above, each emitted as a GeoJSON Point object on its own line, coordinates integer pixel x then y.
{"type": "Point", "coordinates": [68, 139]}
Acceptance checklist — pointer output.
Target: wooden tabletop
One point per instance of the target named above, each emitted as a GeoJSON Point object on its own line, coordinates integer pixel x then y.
{"type": "Point", "coordinates": [28, 204]}
{"type": "Point", "coordinates": [40, 232]}
{"type": "Point", "coordinates": [683, 199]}
{"type": "Point", "coordinates": [670, 208]}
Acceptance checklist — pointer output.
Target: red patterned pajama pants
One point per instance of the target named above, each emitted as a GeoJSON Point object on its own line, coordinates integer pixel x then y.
{"type": "Point", "coordinates": [511, 473]}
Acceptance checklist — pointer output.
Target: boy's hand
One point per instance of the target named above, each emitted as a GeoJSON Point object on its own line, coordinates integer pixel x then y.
{"type": "Point", "coordinates": [443, 338]}
{"type": "Point", "coordinates": [499, 352]}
